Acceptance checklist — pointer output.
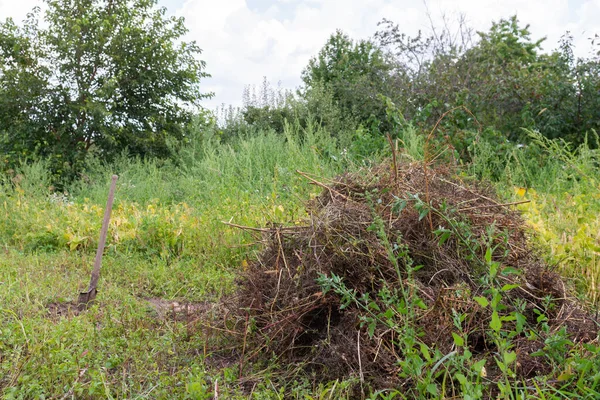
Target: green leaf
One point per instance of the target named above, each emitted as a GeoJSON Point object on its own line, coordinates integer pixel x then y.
{"type": "Point", "coordinates": [521, 321]}
{"type": "Point", "coordinates": [416, 268]}
{"type": "Point", "coordinates": [458, 340]}
{"type": "Point", "coordinates": [501, 365]}
{"type": "Point", "coordinates": [374, 306]}
{"type": "Point", "coordinates": [509, 357]}
{"type": "Point", "coordinates": [371, 327]}
{"type": "Point", "coordinates": [425, 351]}
{"type": "Point", "coordinates": [564, 377]}
{"type": "Point", "coordinates": [432, 389]}
{"type": "Point", "coordinates": [508, 287]}
{"type": "Point", "coordinates": [496, 298]}
{"type": "Point", "coordinates": [495, 323]}
{"type": "Point", "coordinates": [482, 301]}
{"type": "Point", "coordinates": [494, 269]}
{"type": "Point", "coordinates": [510, 271]}
{"type": "Point", "coordinates": [461, 378]}
{"type": "Point", "coordinates": [420, 303]}
{"type": "Point", "coordinates": [488, 256]}
{"type": "Point", "coordinates": [444, 236]}
{"type": "Point", "coordinates": [478, 366]}
{"type": "Point", "coordinates": [399, 205]}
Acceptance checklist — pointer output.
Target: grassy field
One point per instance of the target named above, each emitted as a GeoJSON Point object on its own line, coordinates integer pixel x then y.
{"type": "Point", "coordinates": [169, 254]}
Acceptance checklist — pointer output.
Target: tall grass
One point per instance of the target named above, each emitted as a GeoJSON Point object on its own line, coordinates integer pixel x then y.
{"type": "Point", "coordinates": [167, 241]}
{"type": "Point", "coordinates": [563, 187]}
{"type": "Point", "coordinates": [260, 164]}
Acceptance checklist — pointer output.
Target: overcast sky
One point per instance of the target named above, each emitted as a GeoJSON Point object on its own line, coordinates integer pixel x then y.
{"type": "Point", "coordinates": [244, 40]}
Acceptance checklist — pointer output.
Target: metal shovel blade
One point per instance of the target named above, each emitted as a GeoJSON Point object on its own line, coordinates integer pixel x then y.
{"type": "Point", "coordinates": [86, 298]}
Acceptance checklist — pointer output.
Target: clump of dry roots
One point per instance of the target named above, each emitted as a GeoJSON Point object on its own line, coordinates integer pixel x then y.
{"type": "Point", "coordinates": [370, 229]}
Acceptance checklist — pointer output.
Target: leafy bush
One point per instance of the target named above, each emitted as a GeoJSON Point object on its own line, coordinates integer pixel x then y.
{"type": "Point", "coordinates": [95, 78]}
{"type": "Point", "coordinates": [500, 77]}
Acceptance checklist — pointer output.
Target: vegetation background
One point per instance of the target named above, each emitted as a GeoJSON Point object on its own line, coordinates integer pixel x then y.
{"type": "Point", "coordinates": [103, 87]}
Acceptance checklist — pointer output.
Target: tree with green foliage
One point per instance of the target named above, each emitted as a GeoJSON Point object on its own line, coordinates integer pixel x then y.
{"type": "Point", "coordinates": [98, 77]}
{"type": "Point", "coordinates": [501, 76]}
{"type": "Point", "coordinates": [356, 73]}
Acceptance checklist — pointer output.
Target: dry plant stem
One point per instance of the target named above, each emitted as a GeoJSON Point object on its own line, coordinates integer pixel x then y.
{"type": "Point", "coordinates": [360, 370]}
{"type": "Point", "coordinates": [244, 345]}
{"type": "Point", "coordinates": [429, 218]}
{"type": "Point", "coordinates": [322, 185]}
{"type": "Point", "coordinates": [437, 155]}
{"type": "Point", "coordinates": [395, 164]}
{"type": "Point", "coordinates": [216, 328]}
{"type": "Point", "coordinates": [378, 348]}
{"type": "Point", "coordinates": [332, 181]}
{"type": "Point", "coordinates": [496, 205]}
{"type": "Point", "coordinates": [250, 228]}
{"type": "Point", "coordinates": [468, 190]}
{"type": "Point", "coordinates": [427, 158]}
{"type": "Point", "coordinates": [283, 254]}
{"type": "Point", "coordinates": [277, 291]}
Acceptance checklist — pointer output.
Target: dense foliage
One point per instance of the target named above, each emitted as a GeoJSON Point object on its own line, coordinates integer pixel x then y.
{"type": "Point", "coordinates": [107, 86]}
{"type": "Point", "coordinates": [499, 79]}
{"type": "Point", "coordinates": [98, 76]}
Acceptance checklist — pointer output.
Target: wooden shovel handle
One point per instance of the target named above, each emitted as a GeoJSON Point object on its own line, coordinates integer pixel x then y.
{"type": "Point", "coordinates": [102, 241]}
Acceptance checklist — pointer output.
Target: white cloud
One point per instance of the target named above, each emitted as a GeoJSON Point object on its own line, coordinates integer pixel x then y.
{"type": "Point", "coordinates": [17, 10]}
{"type": "Point", "coordinates": [247, 44]}
{"type": "Point", "coordinates": [244, 40]}
{"type": "Point", "coordinates": [278, 42]}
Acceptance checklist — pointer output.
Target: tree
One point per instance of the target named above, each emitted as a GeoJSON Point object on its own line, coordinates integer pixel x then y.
{"type": "Point", "coordinates": [356, 73]}
{"type": "Point", "coordinates": [500, 75]}
{"type": "Point", "coordinates": [100, 76]}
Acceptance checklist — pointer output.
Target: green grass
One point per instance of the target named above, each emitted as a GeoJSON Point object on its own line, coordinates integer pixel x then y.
{"type": "Point", "coordinates": [563, 186]}
{"type": "Point", "coordinates": [167, 241]}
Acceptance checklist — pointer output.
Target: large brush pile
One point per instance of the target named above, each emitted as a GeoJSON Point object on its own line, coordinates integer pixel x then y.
{"type": "Point", "coordinates": [359, 226]}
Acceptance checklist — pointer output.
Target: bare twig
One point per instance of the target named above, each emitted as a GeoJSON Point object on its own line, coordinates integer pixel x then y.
{"type": "Point", "coordinates": [250, 228]}
{"type": "Point", "coordinates": [71, 392]}
{"type": "Point", "coordinates": [468, 190]}
{"type": "Point", "coordinates": [316, 182]}
{"type": "Point", "coordinates": [395, 164]}
{"type": "Point", "coordinates": [245, 339]}
{"type": "Point", "coordinates": [360, 371]}
{"type": "Point", "coordinates": [427, 158]}
{"type": "Point", "coordinates": [496, 205]}
{"type": "Point", "coordinates": [283, 254]}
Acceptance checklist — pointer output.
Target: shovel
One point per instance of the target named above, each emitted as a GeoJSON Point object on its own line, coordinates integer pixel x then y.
{"type": "Point", "coordinates": [85, 298]}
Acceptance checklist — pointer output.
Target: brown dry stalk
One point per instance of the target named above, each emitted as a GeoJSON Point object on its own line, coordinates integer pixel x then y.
{"type": "Point", "coordinates": [290, 317]}
{"type": "Point", "coordinates": [389, 138]}
{"type": "Point", "coordinates": [322, 185]}
{"type": "Point", "coordinates": [250, 228]}
{"type": "Point", "coordinates": [245, 340]}
{"type": "Point", "coordinates": [426, 155]}
{"type": "Point", "coordinates": [496, 205]}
